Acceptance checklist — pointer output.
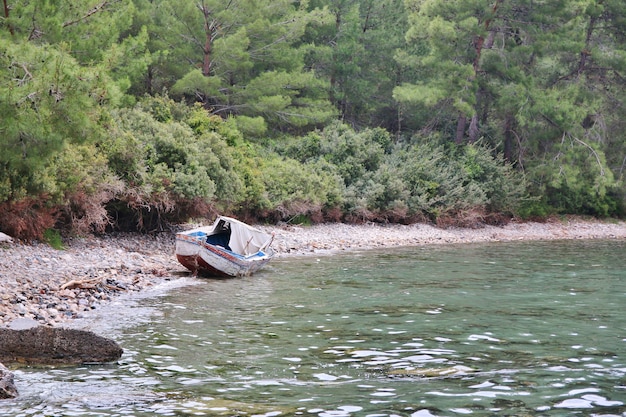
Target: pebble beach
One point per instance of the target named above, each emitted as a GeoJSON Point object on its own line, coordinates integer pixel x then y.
{"type": "Point", "coordinates": [51, 286]}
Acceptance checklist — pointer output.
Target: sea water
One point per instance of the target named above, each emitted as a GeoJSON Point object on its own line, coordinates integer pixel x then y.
{"type": "Point", "coordinates": [525, 329]}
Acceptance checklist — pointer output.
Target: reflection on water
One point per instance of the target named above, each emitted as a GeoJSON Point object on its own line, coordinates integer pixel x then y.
{"type": "Point", "coordinates": [531, 329]}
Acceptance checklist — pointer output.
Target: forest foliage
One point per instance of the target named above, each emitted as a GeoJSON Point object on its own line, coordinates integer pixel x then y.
{"type": "Point", "coordinates": [139, 114]}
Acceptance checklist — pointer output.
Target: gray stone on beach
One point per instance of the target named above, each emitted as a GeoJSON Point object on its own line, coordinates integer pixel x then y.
{"type": "Point", "coordinates": [53, 346]}
{"type": "Point", "coordinates": [7, 384]}
{"type": "Point", "coordinates": [4, 238]}
{"type": "Point", "coordinates": [23, 324]}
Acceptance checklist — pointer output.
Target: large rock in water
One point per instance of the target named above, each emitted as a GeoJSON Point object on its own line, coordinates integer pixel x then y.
{"type": "Point", "coordinates": [7, 386]}
{"type": "Point", "coordinates": [56, 346]}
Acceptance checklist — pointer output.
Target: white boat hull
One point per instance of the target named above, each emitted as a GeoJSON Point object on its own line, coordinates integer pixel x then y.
{"type": "Point", "coordinates": [228, 248]}
{"type": "Point", "coordinates": [206, 259]}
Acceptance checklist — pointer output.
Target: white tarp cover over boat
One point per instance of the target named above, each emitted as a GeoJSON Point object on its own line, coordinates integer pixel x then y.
{"type": "Point", "coordinates": [245, 239]}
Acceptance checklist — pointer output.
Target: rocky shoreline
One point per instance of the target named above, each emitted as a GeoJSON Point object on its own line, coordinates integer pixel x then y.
{"type": "Point", "coordinates": [48, 286]}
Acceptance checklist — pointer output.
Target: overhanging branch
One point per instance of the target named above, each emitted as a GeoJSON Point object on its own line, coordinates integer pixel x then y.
{"type": "Point", "coordinates": [91, 12]}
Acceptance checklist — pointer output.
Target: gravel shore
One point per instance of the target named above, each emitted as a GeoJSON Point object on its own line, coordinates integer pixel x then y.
{"type": "Point", "coordinates": [52, 286]}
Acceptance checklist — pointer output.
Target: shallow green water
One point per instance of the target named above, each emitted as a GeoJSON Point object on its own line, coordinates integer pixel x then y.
{"type": "Point", "coordinates": [533, 329]}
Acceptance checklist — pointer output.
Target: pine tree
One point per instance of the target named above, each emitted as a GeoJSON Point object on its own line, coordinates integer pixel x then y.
{"type": "Point", "coordinates": [47, 101]}
{"type": "Point", "coordinates": [354, 49]}
{"type": "Point", "coordinates": [530, 77]}
{"type": "Point", "coordinates": [239, 58]}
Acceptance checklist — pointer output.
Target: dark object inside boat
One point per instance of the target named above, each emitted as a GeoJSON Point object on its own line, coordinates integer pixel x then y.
{"type": "Point", "coordinates": [221, 237]}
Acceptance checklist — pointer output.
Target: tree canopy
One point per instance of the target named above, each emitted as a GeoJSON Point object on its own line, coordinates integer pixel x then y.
{"type": "Point", "coordinates": [136, 114]}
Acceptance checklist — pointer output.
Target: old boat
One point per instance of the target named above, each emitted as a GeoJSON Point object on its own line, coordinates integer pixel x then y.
{"type": "Point", "coordinates": [228, 248]}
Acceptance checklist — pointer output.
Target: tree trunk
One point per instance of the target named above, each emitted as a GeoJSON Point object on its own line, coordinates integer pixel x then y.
{"type": "Point", "coordinates": [210, 28]}
{"type": "Point", "coordinates": [333, 75]}
{"type": "Point", "coordinates": [460, 129]}
{"type": "Point", "coordinates": [208, 45]}
{"type": "Point", "coordinates": [586, 52]}
{"type": "Point", "coordinates": [508, 138]}
{"type": "Point", "coordinates": [479, 45]}
{"type": "Point", "coordinates": [149, 80]}
{"type": "Point", "coordinates": [6, 16]}
{"type": "Point", "coordinates": [473, 129]}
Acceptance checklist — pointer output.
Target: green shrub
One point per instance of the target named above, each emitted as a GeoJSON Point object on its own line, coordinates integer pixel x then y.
{"type": "Point", "coordinates": [447, 181]}
{"type": "Point", "coordinates": [380, 195]}
{"type": "Point", "coordinates": [165, 165]}
{"type": "Point", "coordinates": [578, 181]}
{"type": "Point", "coordinates": [53, 238]}
{"type": "Point", "coordinates": [535, 209]}
{"type": "Point", "coordinates": [291, 188]}
{"type": "Point", "coordinates": [249, 126]}
{"type": "Point", "coordinates": [304, 149]}
{"type": "Point", "coordinates": [352, 153]}
{"type": "Point", "coordinates": [503, 188]}
{"type": "Point", "coordinates": [387, 182]}
{"type": "Point", "coordinates": [86, 184]}
{"type": "Point", "coordinates": [157, 158]}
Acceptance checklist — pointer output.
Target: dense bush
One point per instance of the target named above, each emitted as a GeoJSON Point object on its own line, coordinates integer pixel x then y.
{"type": "Point", "coordinates": [455, 183]}
{"type": "Point", "coordinates": [161, 162]}
{"type": "Point", "coordinates": [291, 189]}
{"type": "Point", "coordinates": [173, 163]}
{"type": "Point", "coordinates": [408, 182]}
{"type": "Point", "coordinates": [578, 180]}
